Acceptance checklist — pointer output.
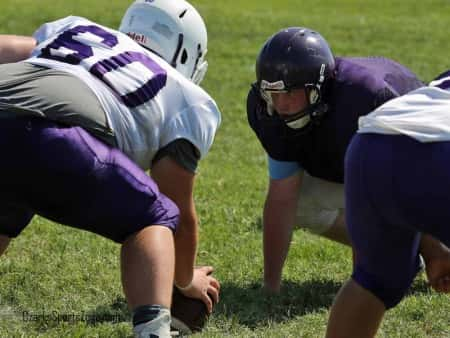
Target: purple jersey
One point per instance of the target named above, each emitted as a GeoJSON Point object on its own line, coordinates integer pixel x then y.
{"type": "Point", "coordinates": [359, 86]}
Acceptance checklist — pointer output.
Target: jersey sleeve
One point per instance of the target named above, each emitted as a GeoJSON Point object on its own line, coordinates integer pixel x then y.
{"type": "Point", "coordinates": [196, 122]}
{"type": "Point", "coordinates": [51, 28]}
{"type": "Point", "coordinates": [282, 169]}
{"type": "Point", "coordinates": [181, 151]}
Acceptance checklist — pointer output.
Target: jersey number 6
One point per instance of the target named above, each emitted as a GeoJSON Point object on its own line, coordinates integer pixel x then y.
{"type": "Point", "coordinates": [72, 47]}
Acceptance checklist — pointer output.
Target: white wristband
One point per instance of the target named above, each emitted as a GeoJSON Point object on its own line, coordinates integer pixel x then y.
{"type": "Point", "coordinates": [183, 288]}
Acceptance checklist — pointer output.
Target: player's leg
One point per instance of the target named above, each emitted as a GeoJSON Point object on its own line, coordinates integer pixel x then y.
{"type": "Point", "coordinates": [386, 249]}
{"type": "Point", "coordinates": [152, 246]}
{"type": "Point", "coordinates": [354, 305]}
{"type": "Point", "coordinates": [79, 181]}
{"type": "Point", "coordinates": [14, 217]}
{"type": "Point", "coordinates": [321, 209]}
{"type": "Point", "coordinates": [147, 265]}
{"type": "Point", "coordinates": [338, 230]}
{"type": "Point", "coordinates": [428, 177]}
{"type": "Point", "coordinates": [144, 221]}
{"type": "Point", "coordinates": [4, 242]}
{"type": "Point", "coordinates": [346, 316]}
{"type": "Point", "coordinates": [422, 183]}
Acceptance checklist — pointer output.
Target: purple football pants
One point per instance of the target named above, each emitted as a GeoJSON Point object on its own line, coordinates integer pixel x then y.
{"type": "Point", "coordinates": [395, 189]}
{"type": "Point", "coordinates": [70, 177]}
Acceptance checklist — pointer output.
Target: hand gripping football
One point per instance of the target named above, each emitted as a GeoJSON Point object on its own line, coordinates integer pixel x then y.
{"type": "Point", "coordinates": [188, 314]}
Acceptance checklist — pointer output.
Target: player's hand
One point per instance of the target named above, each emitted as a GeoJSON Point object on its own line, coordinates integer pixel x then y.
{"type": "Point", "coordinates": [437, 263]}
{"type": "Point", "coordinates": [438, 273]}
{"type": "Point", "coordinates": [204, 287]}
{"type": "Point", "coordinates": [271, 290]}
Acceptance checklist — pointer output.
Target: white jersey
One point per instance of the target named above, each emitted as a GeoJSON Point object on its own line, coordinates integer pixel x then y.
{"type": "Point", "coordinates": [423, 114]}
{"type": "Point", "coordinates": [147, 102]}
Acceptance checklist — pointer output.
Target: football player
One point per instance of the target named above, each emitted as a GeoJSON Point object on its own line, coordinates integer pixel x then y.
{"type": "Point", "coordinates": [397, 186]}
{"type": "Point", "coordinates": [304, 108]}
{"type": "Point", "coordinates": [84, 115]}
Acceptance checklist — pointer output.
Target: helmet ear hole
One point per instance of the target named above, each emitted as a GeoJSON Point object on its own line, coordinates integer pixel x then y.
{"type": "Point", "coordinates": [184, 56]}
{"type": "Point", "coordinates": [156, 25]}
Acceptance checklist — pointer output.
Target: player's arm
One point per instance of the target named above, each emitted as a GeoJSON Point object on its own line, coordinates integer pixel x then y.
{"type": "Point", "coordinates": [279, 216]}
{"type": "Point", "coordinates": [14, 48]}
{"type": "Point", "coordinates": [176, 181]}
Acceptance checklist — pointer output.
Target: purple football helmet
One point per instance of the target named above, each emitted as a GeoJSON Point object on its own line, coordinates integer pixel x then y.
{"type": "Point", "coordinates": [293, 58]}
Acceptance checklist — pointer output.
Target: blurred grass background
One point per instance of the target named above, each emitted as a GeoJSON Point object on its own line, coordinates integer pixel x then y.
{"type": "Point", "coordinates": [70, 280]}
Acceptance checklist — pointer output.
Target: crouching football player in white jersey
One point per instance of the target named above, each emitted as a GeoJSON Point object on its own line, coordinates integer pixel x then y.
{"type": "Point", "coordinates": [84, 114]}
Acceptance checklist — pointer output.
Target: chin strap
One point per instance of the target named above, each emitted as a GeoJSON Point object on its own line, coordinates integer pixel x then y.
{"type": "Point", "coordinates": [318, 113]}
{"type": "Point", "coordinates": [299, 120]}
{"type": "Point", "coordinates": [311, 114]}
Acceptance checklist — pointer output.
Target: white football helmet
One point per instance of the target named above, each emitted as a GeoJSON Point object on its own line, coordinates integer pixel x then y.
{"type": "Point", "coordinates": [174, 30]}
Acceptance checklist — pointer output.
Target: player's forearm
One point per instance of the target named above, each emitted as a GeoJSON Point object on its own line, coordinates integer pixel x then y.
{"type": "Point", "coordinates": [15, 48]}
{"type": "Point", "coordinates": [278, 226]}
{"type": "Point", "coordinates": [186, 240]}
{"type": "Point", "coordinates": [276, 247]}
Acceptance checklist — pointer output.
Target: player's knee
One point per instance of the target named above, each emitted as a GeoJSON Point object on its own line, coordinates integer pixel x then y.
{"type": "Point", "coordinates": [316, 221]}
{"type": "Point", "coordinates": [391, 297]}
{"type": "Point", "coordinates": [389, 291]}
{"type": "Point", "coordinates": [161, 211]}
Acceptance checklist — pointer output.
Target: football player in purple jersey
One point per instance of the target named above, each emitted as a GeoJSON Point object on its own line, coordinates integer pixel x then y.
{"type": "Point", "coordinates": [304, 108]}
{"type": "Point", "coordinates": [397, 187]}
{"type": "Point", "coordinates": [85, 110]}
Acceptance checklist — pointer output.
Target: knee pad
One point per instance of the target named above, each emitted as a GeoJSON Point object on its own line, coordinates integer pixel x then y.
{"type": "Point", "coordinates": [320, 203]}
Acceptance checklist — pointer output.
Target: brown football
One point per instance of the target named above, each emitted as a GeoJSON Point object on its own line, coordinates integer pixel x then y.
{"type": "Point", "coordinates": [188, 314]}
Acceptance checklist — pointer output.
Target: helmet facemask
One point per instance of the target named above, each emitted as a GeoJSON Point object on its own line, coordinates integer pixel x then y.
{"type": "Point", "coordinates": [313, 110]}
{"type": "Point", "coordinates": [200, 66]}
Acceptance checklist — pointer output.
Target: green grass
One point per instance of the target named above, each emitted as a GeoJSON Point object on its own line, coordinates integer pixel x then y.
{"type": "Point", "coordinates": [67, 273]}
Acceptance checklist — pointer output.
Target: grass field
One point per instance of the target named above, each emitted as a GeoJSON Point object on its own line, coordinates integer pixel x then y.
{"type": "Point", "coordinates": [57, 282]}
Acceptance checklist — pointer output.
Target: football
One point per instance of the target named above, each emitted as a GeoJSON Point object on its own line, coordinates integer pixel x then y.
{"type": "Point", "coordinates": [188, 314]}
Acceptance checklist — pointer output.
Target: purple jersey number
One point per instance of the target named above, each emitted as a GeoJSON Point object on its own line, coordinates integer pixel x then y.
{"type": "Point", "coordinates": [69, 47]}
